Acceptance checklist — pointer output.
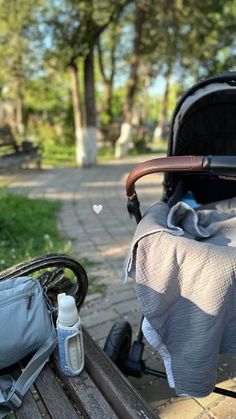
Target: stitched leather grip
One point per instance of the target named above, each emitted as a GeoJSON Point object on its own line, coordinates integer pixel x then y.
{"type": "Point", "coordinates": [163, 164]}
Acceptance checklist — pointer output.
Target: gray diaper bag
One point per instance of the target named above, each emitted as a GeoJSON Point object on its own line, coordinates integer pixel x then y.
{"type": "Point", "coordinates": [26, 329]}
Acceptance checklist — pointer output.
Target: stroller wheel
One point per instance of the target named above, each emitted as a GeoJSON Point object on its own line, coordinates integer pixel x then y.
{"type": "Point", "coordinates": [118, 342]}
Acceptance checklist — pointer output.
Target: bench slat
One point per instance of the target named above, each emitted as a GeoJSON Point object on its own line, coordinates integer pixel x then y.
{"type": "Point", "coordinates": [121, 395]}
{"type": "Point", "coordinates": [28, 409]}
{"type": "Point", "coordinates": [83, 390]}
{"type": "Point", "coordinates": [54, 398]}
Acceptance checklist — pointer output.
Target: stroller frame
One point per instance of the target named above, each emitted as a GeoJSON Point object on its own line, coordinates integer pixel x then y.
{"type": "Point", "coordinates": [175, 167]}
{"type": "Point", "coordinates": [220, 165]}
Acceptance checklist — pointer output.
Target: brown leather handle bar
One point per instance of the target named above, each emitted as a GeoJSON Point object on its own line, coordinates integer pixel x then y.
{"type": "Point", "coordinates": [163, 164]}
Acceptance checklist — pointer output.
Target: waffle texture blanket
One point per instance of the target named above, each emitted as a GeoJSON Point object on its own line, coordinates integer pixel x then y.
{"type": "Point", "coordinates": [184, 264]}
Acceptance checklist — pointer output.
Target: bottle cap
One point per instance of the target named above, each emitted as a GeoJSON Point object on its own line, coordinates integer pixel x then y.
{"type": "Point", "coordinates": [67, 310]}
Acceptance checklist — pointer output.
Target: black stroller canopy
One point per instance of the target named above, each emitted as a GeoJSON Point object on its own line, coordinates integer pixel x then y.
{"type": "Point", "coordinates": [203, 123]}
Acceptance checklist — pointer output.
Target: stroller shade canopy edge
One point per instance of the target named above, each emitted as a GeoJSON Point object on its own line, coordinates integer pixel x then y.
{"type": "Point", "coordinates": [204, 123]}
{"type": "Point", "coordinates": [214, 99]}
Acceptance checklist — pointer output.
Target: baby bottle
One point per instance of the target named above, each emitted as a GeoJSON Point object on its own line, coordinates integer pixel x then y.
{"type": "Point", "coordinates": [70, 338]}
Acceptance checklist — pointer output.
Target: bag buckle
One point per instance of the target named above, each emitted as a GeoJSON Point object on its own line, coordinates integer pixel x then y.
{"type": "Point", "coordinates": [15, 400]}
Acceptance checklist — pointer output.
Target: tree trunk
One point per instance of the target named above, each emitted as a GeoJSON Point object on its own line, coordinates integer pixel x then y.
{"type": "Point", "coordinates": [163, 118]}
{"type": "Point", "coordinates": [123, 142]}
{"type": "Point", "coordinates": [107, 100]}
{"type": "Point", "coordinates": [108, 81]}
{"type": "Point", "coordinates": [19, 111]}
{"type": "Point", "coordinates": [79, 131]}
{"type": "Point", "coordinates": [90, 106]}
{"type": "Point", "coordinates": [140, 142]}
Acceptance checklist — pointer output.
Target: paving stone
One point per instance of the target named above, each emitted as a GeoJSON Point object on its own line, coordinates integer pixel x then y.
{"type": "Point", "coordinates": [101, 331]}
{"type": "Point", "coordinates": [209, 401]}
{"type": "Point", "coordinates": [158, 393]}
{"type": "Point", "coordinates": [133, 318]}
{"type": "Point", "coordinates": [143, 382]}
{"type": "Point", "coordinates": [93, 297]}
{"type": "Point", "coordinates": [101, 342]}
{"type": "Point", "coordinates": [120, 297]}
{"type": "Point", "coordinates": [127, 306]}
{"type": "Point", "coordinates": [94, 257]}
{"type": "Point", "coordinates": [94, 307]}
{"type": "Point", "coordinates": [86, 310]}
{"type": "Point", "coordinates": [153, 361]}
{"type": "Point", "coordinates": [101, 268]}
{"type": "Point", "coordinates": [80, 247]}
{"type": "Point", "coordinates": [227, 363]}
{"type": "Point", "coordinates": [99, 317]}
{"type": "Point", "coordinates": [119, 287]}
{"type": "Point", "coordinates": [226, 409]}
{"type": "Point", "coordinates": [223, 375]}
{"type": "Point", "coordinates": [181, 408]}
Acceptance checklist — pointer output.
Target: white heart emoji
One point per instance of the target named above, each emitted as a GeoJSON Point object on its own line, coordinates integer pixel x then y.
{"type": "Point", "coordinates": [97, 208]}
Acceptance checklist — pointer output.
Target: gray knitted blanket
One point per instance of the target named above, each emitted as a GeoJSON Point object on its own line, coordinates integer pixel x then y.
{"type": "Point", "coordinates": [184, 264]}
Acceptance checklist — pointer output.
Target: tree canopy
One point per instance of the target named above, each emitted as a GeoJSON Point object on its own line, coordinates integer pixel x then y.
{"type": "Point", "coordinates": [70, 69]}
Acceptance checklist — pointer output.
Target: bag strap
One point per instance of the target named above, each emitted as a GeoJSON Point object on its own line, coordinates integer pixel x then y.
{"type": "Point", "coordinates": [12, 391]}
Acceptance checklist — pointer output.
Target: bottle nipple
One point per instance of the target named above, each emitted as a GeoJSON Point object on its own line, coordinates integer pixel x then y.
{"type": "Point", "coordinates": [67, 310]}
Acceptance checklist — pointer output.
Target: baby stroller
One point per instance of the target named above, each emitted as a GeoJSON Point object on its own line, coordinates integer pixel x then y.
{"type": "Point", "coordinates": [201, 163]}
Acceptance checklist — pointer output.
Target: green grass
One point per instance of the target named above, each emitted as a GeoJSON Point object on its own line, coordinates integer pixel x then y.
{"type": "Point", "coordinates": [105, 153]}
{"type": "Point", "coordinates": [133, 152]}
{"type": "Point", "coordinates": [58, 155]}
{"type": "Point", "coordinates": [28, 228]}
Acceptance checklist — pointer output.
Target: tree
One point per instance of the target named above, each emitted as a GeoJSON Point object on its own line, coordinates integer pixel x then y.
{"type": "Point", "coordinates": [16, 54]}
{"type": "Point", "coordinates": [198, 38]}
{"type": "Point", "coordinates": [108, 45]}
{"type": "Point", "coordinates": [123, 141]}
{"type": "Point", "coordinates": [75, 30]}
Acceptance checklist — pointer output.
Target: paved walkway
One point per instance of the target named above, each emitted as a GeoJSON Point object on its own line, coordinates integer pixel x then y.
{"type": "Point", "coordinates": [104, 239]}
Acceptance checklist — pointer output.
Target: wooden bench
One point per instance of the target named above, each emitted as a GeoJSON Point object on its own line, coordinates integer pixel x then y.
{"type": "Point", "coordinates": [14, 155]}
{"type": "Point", "coordinates": [99, 392]}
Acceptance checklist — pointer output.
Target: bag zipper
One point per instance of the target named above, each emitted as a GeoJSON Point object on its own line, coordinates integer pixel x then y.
{"type": "Point", "coordinates": [48, 301]}
{"type": "Point", "coordinates": [28, 297]}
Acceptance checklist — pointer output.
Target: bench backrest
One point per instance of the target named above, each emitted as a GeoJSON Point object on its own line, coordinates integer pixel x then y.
{"type": "Point", "coordinates": [7, 140]}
